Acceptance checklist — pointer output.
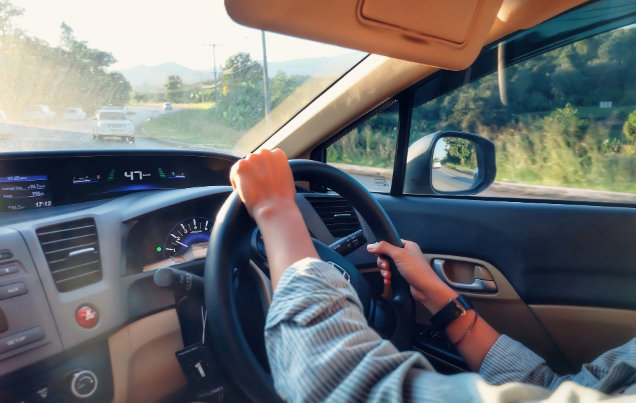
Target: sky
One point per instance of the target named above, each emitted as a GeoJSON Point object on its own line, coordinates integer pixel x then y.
{"type": "Point", "coordinates": [151, 32]}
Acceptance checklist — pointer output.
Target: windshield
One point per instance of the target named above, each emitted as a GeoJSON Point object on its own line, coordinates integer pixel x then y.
{"type": "Point", "coordinates": [185, 74]}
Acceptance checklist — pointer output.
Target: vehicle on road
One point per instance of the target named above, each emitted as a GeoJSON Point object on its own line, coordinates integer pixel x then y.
{"type": "Point", "coordinates": [541, 239]}
{"type": "Point", "coordinates": [437, 164]}
{"type": "Point", "coordinates": [39, 113]}
{"type": "Point", "coordinates": [167, 107]}
{"type": "Point", "coordinates": [114, 123]}
{"type": "Point", "coordinates": [74, 113]}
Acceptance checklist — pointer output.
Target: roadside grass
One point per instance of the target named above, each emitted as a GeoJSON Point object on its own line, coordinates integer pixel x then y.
{"type": "Point", "coordinates": [193, 126]}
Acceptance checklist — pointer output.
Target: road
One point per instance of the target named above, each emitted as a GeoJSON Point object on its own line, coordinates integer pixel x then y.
{"type": "Point", "coordinates": [451, 180]}
{"type": "Point", "coordinates": [67, 135]}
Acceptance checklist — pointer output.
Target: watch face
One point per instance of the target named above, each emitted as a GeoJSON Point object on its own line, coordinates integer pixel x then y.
{"type": "Point", "coordinates": [455, 308]}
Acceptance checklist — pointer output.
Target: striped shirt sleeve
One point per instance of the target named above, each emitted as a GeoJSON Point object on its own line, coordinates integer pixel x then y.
{"type": "Point", "coordinates": [320, 348]}
{"type": "Point", "coordinates": [510, 361]}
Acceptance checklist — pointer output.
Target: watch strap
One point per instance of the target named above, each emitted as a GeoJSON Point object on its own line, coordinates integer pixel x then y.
{"type": "Point", "coordinates": [455, 308]}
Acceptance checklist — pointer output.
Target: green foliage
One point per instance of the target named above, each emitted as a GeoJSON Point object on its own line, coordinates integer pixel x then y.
{"type": "Point", "coordinates": [372, 144]}
{"type": "Point", "coordinates": [7, 12]}
{"type": "Point", "coordinates": [33, 72]}
{"type": "Point", "coordinates": [459, 151]}
{"type": "Point", "coordinates": [281, 86]}
{"type": "Point", "coordinates": [540, 136]}
{"type": "Point", "coordinates": [174, 89]}
{"type": "Point", "coordinates": [629, 128]}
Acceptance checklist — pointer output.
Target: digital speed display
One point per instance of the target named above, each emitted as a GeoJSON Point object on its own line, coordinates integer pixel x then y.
{"type": "Point", "coordinates": [24, 192]}
{"type": "Point", "coordinates": [125, 180]}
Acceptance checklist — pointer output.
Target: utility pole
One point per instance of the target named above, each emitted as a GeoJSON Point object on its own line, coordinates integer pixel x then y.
{"type": "Point", "coordinates": [268, 106]}
{"type": "Point", "coordinates": [216, 90]}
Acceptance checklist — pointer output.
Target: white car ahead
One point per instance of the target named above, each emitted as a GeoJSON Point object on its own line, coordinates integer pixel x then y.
{"type": "Point", "coordinates": [38, 113]}
{"type": "Point", "coordinates": [114, 123]}
{"type": "Point", "coordinates": [74, 114]}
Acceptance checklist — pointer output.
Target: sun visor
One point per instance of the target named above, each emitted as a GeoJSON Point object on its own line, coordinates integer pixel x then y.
{"type": "Point", "coordinates": [442, 33]}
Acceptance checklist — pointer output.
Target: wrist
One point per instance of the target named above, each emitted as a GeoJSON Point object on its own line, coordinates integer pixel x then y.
{"type": "Point", "coordinates": [438, 297]}
{"type": "Point", "coordinates": [274, 209]}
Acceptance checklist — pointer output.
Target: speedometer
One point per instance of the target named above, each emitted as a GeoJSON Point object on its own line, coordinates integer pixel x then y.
{"type": "Point", "coordinates": [187, 232]}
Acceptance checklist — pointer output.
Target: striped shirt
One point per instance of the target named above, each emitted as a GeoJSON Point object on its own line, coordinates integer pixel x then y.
{"type": "Point", "coordinates": [320, 348]}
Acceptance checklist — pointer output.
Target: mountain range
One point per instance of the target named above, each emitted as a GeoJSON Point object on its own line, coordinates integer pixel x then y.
{"type": "Point", "coordinates": [151, 78]}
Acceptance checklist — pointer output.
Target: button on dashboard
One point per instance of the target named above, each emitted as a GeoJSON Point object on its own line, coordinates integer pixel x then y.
{"type": "Point", "coordinates": [12, 290]}
{"type": "Point", "coordinates": [9, 269]}
{"type": "Point", "coordinates": [18, 340]}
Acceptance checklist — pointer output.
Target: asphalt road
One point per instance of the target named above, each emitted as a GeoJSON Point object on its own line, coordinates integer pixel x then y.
{"type": "Point", "coordinates": [69, 135]}
{"type": "Point", "coordinates": [451, 180]}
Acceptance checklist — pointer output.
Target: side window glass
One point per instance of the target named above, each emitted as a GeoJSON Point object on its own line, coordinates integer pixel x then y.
{"type": "Point", "coordinates": [367, 151]}
{"type": "Point", "coordinates": [563, 122]}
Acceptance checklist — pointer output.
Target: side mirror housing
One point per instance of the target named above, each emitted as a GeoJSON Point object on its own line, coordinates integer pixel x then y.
{"type": "Point", "coordinates": [450, 163]}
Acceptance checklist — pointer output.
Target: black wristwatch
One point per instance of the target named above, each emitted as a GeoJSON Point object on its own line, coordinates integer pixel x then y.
{"type": "Point", "coordinates": [455, 308]}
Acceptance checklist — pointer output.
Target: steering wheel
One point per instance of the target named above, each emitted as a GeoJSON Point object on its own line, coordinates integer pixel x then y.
{"type": "Point", "coordinates": [229, 248]}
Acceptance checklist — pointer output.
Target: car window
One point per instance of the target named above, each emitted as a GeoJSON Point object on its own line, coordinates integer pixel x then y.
{"type": "Point", "coordinates": [367, 151]}
{"type": "Point", "coordinates": [563, 122]}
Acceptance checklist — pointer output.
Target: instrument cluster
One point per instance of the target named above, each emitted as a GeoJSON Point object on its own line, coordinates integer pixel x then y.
{"type": "Point", "coordinates": [171, 236]}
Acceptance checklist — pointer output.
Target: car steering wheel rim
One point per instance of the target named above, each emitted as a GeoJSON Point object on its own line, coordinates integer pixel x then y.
{"type": "Point", "coordinates": [229, 248]}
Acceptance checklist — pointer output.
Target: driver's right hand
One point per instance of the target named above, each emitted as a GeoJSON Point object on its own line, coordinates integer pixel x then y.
{"type": "Point", "coordinates": [426, 287]}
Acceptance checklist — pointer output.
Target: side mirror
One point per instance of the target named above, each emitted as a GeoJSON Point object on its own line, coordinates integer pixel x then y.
{"type": "Point", "coordinates": [450, 163]}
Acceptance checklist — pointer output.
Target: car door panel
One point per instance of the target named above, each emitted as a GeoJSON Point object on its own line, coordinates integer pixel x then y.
{"type": "Point", "coordinates": [564, 272]}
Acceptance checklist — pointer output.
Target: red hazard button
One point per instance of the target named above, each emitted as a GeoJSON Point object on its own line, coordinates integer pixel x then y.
{"type": "Point", "coordinates": [86, 317]}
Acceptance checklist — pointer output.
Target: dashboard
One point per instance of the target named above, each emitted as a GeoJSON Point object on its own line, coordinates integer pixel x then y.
{"type": "Point", "coordinates": [41, 180]}
{"type": "Point", "coordinates": [81, 235]}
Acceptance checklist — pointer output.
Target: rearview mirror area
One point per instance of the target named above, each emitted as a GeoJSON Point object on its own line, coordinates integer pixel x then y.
{"type": "Point", "coordinates": [450, 163]}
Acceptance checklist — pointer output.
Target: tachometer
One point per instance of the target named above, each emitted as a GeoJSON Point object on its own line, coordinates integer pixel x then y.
{"type": "Point", "coordinates": [187, 232]}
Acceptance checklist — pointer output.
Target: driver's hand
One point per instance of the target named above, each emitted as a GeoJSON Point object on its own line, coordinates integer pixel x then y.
{"type": "Point", "coordinates": [264, 182]}
{"type": "Point", "coordinates": [426, 287]}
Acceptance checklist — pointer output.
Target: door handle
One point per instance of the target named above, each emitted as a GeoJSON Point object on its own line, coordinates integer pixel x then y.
{"type": "Point", "coordinates": [482, 281]}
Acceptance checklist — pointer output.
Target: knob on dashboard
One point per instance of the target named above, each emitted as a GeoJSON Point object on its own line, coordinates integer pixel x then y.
{"type": "Point", "coordinates": [83, 383]}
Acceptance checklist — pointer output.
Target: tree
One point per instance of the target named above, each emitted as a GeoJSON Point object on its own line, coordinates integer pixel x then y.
{"type": "Point", "coordinates": [241, 105]}
{"type": "Point", "coordinates": [629, 128]}
{"type": "Point", "coordinates": [7, 12]}
{"type": "Point", "coordinates": [81, 53]}
{"type": "Point", "coordinates": [459, 151]}
{"type": "Point", "coordinates": [241, 69]}
{"type": "Point", "coordinates": [174, 88]}
{"type": "Point", "coordinates": [281, 86]}
{"type": "Point", "coordinates": [73, 74]}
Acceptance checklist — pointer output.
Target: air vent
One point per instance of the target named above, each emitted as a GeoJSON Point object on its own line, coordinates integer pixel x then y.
{"type": "Point", "coordinates": [337, 214]}
{"type": "Point", "coordinates": [72, 251]}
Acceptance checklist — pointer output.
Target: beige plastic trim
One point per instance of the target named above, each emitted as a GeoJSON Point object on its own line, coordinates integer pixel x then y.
{"type": "Point", "coordinates": [446, 34]}
{"type": "Point", "coordinates": [583, 333]}
{"type": "Point", "coordinates": [507, 313]}
{"type": "Point", "coordinates": [145, 368]}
